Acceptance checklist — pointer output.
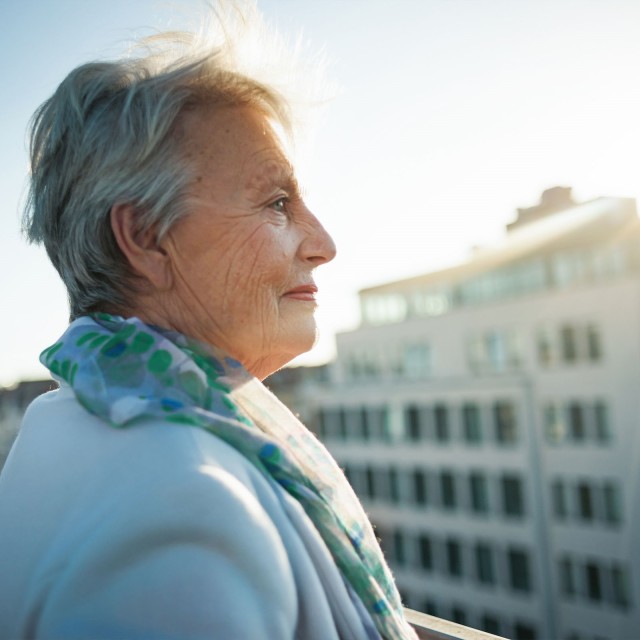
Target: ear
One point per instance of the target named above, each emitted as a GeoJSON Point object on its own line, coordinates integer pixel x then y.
{"type": "Point", "coordinates": [140, 248]}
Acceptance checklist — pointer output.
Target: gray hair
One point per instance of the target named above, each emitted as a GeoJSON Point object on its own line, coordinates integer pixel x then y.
{"type": "Point", "coordinates": [107, 136]}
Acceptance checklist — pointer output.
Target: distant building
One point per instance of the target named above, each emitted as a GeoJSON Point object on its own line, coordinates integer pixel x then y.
{"type": "Point", "coordinates": [13, 403]}
{"type": "Point", "coordinates": [488, 417]}
{"type": "Point", "coordinates": [292, 384]}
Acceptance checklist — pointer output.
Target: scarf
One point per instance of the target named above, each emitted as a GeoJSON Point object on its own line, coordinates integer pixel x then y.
{"type": "Point", "coordinates": [123, 370]}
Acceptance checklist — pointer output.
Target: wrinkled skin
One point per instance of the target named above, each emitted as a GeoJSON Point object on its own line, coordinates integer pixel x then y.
{"type": "Point", "coordinates": [237, 271]}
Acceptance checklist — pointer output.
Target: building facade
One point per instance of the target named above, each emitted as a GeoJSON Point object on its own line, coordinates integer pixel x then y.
{"type": "Point", "coordinates": [487, 415]}
{"type": "Point", "coordinates": [13, 403]}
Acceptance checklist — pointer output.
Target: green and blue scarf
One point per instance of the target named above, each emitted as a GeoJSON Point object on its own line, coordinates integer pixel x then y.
{"type": "Point", "coordinates": [123, 371]}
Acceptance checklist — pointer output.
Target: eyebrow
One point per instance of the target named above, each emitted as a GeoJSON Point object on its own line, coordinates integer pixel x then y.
{"type": "Point", "coordinates": [273, 173]}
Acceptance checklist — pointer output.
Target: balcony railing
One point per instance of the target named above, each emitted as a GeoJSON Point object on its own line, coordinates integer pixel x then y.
{"type": "Point", "coordinates": [432, 628]}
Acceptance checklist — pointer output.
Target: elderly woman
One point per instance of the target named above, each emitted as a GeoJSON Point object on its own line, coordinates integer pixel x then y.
{"type": "Point", "coordinates": [162, 491]}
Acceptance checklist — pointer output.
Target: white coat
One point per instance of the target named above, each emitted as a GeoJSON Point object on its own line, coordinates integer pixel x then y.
{"type": "Point", "coordinates": [156, 531]}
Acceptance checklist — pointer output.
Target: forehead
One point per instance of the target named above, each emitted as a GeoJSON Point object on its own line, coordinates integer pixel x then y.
{"type": "Point", "coordinates": [234, 146]}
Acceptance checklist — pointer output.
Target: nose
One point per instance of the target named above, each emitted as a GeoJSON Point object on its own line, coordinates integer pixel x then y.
{"type": "Point", "coordinates": [317, 246]}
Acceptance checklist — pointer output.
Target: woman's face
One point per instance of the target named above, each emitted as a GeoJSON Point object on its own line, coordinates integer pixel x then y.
{"type": "Point", "coordinates": [243, 260]}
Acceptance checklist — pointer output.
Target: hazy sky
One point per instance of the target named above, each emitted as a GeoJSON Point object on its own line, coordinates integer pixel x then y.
{"type": "Point", "coordinates": [450, 114]}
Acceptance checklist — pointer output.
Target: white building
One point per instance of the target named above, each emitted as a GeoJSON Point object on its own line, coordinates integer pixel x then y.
{"type": "Point", "coordinates": [488, 417]}
{"type": "Point", "coordinates": [13, 403]}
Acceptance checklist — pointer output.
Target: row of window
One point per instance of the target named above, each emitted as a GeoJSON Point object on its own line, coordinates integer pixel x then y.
{"type": "Point", "coordinates": [587, 501]}
{"type": "Point", "coordinates": [560, 270]}
{"type": "Point", "coordinates": [574, 422]}
{"type": "Point", "coordinates": [594, 581]}
{"type": "Point", "coordinates": [577, 422]}
{"type": "Point", "coordinates": [411, 361]}
{"type": "Point", "coordinates": [503, 350]}
{"type": "Point", "coordinates": [569, 344]}
{"type": "Point", "coordinates": [352, 423]}
{"type": "Point", "coordinates": [444, 489]}
{"type": "Point", "coordinates": [481, 561]}
{"type": "Point", "coordinates": [490, 351]}
{"type": "Point", "coordinates": [436, 422]}
{"type": "Point", "coordinates": [488, 621]}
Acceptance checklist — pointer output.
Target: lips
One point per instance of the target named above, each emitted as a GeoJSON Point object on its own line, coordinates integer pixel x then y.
{"type": "Point", "coordinates": [303, 292]}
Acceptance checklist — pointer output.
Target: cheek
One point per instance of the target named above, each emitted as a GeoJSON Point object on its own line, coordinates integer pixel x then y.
{"type": "Point", "coordinates": [265, 256]}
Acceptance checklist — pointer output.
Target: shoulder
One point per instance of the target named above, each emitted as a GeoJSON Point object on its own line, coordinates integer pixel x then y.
{"type": "Point", "coordinates": [58, 424]}
{"type": "Point", "coordinates": [149, 464]}
{"type": "Point", "coordinates": [167, 527]}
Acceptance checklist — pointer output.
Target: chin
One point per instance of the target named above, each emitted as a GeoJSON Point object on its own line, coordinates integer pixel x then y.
{"type": "Point", "coordinates": [299, 339]}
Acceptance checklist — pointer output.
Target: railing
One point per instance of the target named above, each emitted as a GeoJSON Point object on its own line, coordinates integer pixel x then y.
{"type": "Point", "coordinates": [432, 628]}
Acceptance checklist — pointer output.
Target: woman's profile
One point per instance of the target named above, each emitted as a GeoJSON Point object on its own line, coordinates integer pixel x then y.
{"type": "Point", "coordinates": [162, 491]}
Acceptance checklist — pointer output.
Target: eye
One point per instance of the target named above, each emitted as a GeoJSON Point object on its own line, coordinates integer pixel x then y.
{"type": "Point", "coordinates": [280, 205]}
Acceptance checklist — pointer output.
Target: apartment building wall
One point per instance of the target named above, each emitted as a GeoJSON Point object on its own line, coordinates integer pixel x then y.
{"type": "Point", "coordinates": [567, 376]}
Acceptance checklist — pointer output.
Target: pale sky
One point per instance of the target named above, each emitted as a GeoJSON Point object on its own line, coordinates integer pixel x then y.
{"type": "Point", "coordinates": [450, 114]}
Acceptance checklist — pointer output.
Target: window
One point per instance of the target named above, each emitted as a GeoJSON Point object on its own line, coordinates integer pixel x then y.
{"type": "Point", "coordinates": [370, 488]}
{"type": "Point", "coordinates": [417, 361]}
{"type": "Point", "coordinates": [321, 428]}
{"type": "Point", "coordinates": [454, 558]}
{"type": "Point", "coordinates": [519, 571]}
{"type": "Point", "coordinates": [484, 563]}
{"type": "Point", "coordinates": [612, 503]}
{"type": "Point", "coordinates": [594, 346]}
{"type": "Point", "coordinates": [479, 493]}
{"type": "Point", "coordinates": [378, 422]}
{"type": "Point", "coordinates": [458, 615]}
{"type": "Point", "coordinates": [594, 586]}
{"type": "Point", "coordinates": [354, 423]}
{"type": "Point", "coordinates": [471, 422]}
{"type": "Point", "coordinates": [431, 302]}
{"type": "Point", "coordinates": [568, 268]}
{"type": "Point", "coordinates": [555, 428]}
{"type": "Point", "coordinates": [394, 490]}
{"type": "Point", "coordinates": [603, 430]}
{"type": "Point", "coordinates": [420, 494]}
{"type": "Point", "coordinates": [328, 423]}
{"type": "Point", "coordinates": [364, 421]}
{"type": "Point", "coordinates": [567, 579]}
{"type": "Point", "coordinates": [524, 631]}
{"type": "Point", "coordinates": [505, 422]}
{"type": "Point", "coordinates": [430, 607]}
{"type": "Point", "coordinates": [356, 475]}
{"type": "Point", "coordinates": [384, 537]}
{"type": "Point", "coordinates": [448, 490]}
{"type": "Point", "coordinates": [342, 423]}
{"type": "Point", "coordinates": [568, 343]}
{"type": "Point", "coordinates": [547, 354]}
{"type": "Point", "coordinates": [404, 596]}
{"type": "Point", "coordinates": [559, 499]}
{"type": "Point", "coordinates": [619, 586]}
{"type": "Point", "coordinates": [412, 423]}
{"type": "Point", "coordinates": [491, 624]}
{"type": "Point", "coordinates": [399, 547]}
{"type": "Point", "coordinates": [496, 350]}
{"type": "Point", "coordinates": [576, 422]}
{"type": "Point", "coordinates": [585, 501]}
{"type": "Point", "coordinates": [512, 498]}
{"type": "Point", "coordinates": [441, 417]}
{"type": "Point", "coordinates": [425, 551]}
{"type": "Point", "coordinates": [384, 309]}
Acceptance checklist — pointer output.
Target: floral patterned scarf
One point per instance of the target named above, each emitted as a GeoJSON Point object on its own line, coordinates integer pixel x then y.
{"type": "Point", "coordinates": [123, 370]}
